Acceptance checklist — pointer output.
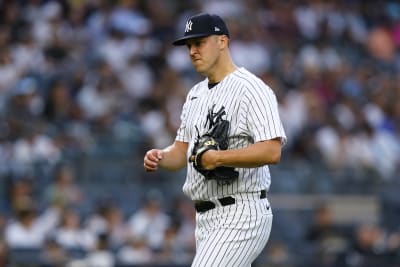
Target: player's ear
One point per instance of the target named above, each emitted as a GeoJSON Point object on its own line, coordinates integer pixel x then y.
{"type": "Point", "coordinates": [224, 41]}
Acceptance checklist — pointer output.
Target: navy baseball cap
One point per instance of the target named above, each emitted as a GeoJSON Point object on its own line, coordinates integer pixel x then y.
{"type": "Point", "coordinates": [203, 25]}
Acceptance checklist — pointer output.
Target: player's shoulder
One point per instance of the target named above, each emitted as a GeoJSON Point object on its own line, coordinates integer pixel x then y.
{"type": "Point", "coordinates": [198, 87]}
{"type": "Point", "coordinates": [249, 80]}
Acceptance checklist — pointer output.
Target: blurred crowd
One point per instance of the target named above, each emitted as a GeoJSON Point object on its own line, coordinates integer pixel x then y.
{"type": "Point", "coordinates": [50, 229]}
{"type": "Point", "coordinates": [75, 72]}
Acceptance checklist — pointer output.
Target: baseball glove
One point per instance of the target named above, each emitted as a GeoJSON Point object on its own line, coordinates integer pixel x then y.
{"type": "Point", "coordinates": [216, 138]}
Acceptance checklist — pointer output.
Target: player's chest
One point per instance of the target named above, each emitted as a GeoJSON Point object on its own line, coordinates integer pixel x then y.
{"type": "Point", "coordinates": [210, 104]}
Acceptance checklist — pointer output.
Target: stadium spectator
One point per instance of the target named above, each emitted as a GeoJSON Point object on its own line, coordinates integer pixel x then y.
{"type": "Point", "coordinates": [110, 219]}
{"type": "Point", "coordinates": [71, 235]}
{"type": "Point", "coordinates": [373, 246]}
{"type": "Point", "coordinates": [63, 189]}
{"type": "Point", "coordinates": [52, 254]}
{"type": "Point", "coordinates": [150, 221]}
{"type": "Point", "coordinates": [328, 239]}
{"type": "Point", "coordinates": [29, 228]}
{"type": "Point", "coordinates": [101, 256]}
{"type": "Point", "coordinates": [135, 251]}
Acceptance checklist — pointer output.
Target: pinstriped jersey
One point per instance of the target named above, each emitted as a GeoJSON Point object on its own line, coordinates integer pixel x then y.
{"type": "Point", "coordinates": [252, 110]}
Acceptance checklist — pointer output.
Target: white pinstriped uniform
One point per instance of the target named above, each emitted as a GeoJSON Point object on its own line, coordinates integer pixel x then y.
{"type": "Point", "coordinates": [232, 235]}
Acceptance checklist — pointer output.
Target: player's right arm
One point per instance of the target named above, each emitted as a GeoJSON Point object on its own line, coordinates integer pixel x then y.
{"type": "Point", "coordinates": [171, 158]}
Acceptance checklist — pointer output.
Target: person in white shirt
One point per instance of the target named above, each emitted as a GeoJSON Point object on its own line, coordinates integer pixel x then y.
{"type": "Point", "coordinates": [149, 223]}
{"type": "Point", "coordinates": [28, 229]}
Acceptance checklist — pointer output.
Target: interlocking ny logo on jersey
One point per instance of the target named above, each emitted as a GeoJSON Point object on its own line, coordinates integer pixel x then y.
{"type": "Point", "coordinates": [188, 27]}
{"type": "Point", "coordinates": [214, 117]}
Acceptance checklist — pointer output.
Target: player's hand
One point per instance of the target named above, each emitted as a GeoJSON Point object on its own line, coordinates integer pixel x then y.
{"type": "Point", "coordinates": [152, 159]}
{"type": "Point", "coordinates": [208, 159]}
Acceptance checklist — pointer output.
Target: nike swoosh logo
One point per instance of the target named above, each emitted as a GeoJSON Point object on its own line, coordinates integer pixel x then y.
{"type": "Point", "coordinates": [193, 97]}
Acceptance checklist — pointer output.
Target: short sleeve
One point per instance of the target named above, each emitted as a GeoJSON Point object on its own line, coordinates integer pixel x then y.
{"type": "Point", "coordinates": [263, 120]}
{"type": "Point", "coordinates": [182, 132]}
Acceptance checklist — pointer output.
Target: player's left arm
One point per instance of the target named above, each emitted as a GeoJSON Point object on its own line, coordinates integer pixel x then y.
{"type": "Point", "coordinates": [255, 155]}
{"type": "Point", "coordinates": [265, 127]}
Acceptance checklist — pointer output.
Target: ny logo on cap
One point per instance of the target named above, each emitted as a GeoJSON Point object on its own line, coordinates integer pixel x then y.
{"type": "Point", "coordinates": [188, 27]}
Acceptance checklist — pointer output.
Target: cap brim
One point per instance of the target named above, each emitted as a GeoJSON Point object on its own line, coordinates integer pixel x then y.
{"type": "Point", "coordinates": [182, 41]}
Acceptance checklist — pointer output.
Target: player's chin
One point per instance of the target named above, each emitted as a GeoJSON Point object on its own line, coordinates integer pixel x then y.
{"type": "Point", "coordinates": [197, 64]}
{"type": "Point", "coordinates": [200, 69]}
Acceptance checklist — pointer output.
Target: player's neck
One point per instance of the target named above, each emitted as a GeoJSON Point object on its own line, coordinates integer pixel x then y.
{"type": "Point", "coordinates": [221, 71]}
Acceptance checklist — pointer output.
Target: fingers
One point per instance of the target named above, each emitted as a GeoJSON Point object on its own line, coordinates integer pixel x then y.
{"type": "Point", "coordinates": [151, 160]}
{"type": "Point", "coordinates": [209, 159]}
{"type": "Point", "coordinates": [159, 154]}
{"type": "Point", "coordinates": [204, 160]}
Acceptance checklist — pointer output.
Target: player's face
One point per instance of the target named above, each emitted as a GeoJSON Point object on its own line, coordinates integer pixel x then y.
{"type": "Point", "coordinates": [204, 53]}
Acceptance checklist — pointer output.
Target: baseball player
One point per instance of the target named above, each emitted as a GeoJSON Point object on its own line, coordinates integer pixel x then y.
{"type": "Point", "coordinates": [233, 215]}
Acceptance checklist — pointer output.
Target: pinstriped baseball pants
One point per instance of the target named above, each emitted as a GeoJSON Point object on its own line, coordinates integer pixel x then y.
{"type": "Point", "coordinates": [232, 235]}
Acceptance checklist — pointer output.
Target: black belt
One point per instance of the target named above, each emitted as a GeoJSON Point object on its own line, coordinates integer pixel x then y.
{"type": "Point", "coordinates": [203, 206]}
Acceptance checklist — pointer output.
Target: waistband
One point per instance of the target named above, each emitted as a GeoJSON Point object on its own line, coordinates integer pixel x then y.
{"type": "Point", "coordinates": [203, 206]}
